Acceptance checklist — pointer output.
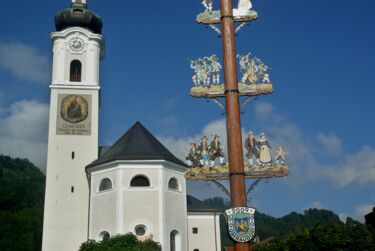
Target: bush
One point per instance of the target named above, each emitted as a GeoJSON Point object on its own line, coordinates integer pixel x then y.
{"type": "Point", "coordinates": [128, 242]}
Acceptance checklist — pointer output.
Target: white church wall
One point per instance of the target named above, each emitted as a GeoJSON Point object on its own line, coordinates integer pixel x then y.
{"type": "Point", "coordinates": [158, 209]}
{"type": "Point", "coordinates": [103, 205]}
{"type": "Point", "coordinates": [175, 208]}
{"type": "Point", "coordinates": [204, 232]}
{"type": "Point", "coordinates": [141, 205]}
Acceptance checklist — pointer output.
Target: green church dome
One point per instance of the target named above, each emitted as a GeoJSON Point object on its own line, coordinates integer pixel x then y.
{"type": "Point", "coordinates": [78, 15]}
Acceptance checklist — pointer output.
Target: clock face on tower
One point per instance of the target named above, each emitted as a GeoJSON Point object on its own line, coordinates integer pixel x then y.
{"type": "Point", "coordinates": [76, 44]}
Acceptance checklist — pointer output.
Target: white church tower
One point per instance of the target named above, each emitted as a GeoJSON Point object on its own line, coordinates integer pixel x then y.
{"type": "Point", "coordinates": [78, 47]}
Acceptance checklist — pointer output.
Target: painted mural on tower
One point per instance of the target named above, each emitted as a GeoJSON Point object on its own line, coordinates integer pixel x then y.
{"type": "Point", "coordinates": [74, 117]}
{"type": "Point", "coordinates": [206, 160]}
{"type": "Point", "coordinates": [208, 78]}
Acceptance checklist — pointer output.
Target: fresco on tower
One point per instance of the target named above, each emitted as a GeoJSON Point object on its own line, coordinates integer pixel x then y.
{"type": "Point", "coordinates": [73, 115]}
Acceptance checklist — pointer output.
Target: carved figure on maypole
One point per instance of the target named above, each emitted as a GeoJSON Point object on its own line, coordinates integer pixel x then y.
{"type": "Point", "coordinates": [203, 165]}
{"type": "Point", "coordinates": [280, 155]}
{"type": "Point", "coordinates": [252, 70]}
{"type": "Point", "coordinates": [251, 144]}
{"type": "Point", "coordinates": [204, 151]}
{"type": "Point", "coordinates": [265, 153]}
{"type": "Point", "coordinates": [206, 71]}
{"type": "Point", "coordinates": [193, 156]}
{"type": "Point", "coordinates": [244, 61]}
{"type": "Point", "coordinates": [216, 151]}
{"type": "Point", "coordinates": [208, 5]}
{"type": "Point", "coordinates": [243, 8]}
{"type": "Point", "coordinates": [254, 80]}
{"type": "Point", "coordinates": [243, 12]}
{"type": "Point", "coordinates": [196, 66]}
{"type": "Point", "coordinates": [216, 68]}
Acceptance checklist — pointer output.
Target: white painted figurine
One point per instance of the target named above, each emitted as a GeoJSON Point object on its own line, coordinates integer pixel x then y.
{"type": "Point", "coordinates": [280, 155]}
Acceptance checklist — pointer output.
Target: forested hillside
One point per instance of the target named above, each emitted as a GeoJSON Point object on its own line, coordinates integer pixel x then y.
{"type": "Point", "coordinates": [21, 204]}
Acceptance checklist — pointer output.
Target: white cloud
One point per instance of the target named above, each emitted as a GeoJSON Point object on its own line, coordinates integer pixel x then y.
{"type": "Point", "coordinates": [265, 112]}
{"type": "Point", "coordinates": [361, 210]}
{"type": "Point", "coordinates": [24, 131]}
{"type": "Point", "coordinates": [25, 62]}
{"type": "Point", "coordinates": [168, 121]}
{"type": "Point", "coordinates": [331, 144]}
{"type": "Point", "coordinates": [343, 216]}
{"type": "Point", "coordinates": [170, 103]}
{"type": "Point", "coordinates": [358, 167]}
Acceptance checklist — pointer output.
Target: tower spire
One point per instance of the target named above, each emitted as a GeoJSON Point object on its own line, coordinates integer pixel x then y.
{"type": "Point", "coordinates": [79, 1]}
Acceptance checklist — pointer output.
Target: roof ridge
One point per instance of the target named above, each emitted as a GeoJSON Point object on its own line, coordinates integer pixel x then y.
{"type": "Point", "coordinates": [137, 143]}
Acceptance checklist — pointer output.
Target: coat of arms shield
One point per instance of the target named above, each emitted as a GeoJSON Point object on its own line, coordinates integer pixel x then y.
{"type": "Point", "coordinates": [241, 224]}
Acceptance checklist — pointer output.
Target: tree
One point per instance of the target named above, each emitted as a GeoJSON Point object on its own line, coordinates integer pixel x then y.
{"type": "Point", "coordinates": [21, 204]}
{"type": "Point", "coordinates": [330, 236]}
{"type": "Point", "coordinates": [128, 242]}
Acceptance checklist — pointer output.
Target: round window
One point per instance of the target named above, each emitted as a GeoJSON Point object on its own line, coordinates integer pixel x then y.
{"type": "Point", "coordinates": [140, 230]}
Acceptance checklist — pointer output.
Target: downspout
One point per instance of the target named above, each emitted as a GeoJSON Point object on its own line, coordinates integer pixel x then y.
{"type": "Point", "coordinates": [215, 230]}
{"type": "Point", "coordinates": [88, 218]}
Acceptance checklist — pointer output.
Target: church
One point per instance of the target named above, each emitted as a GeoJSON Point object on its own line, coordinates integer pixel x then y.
{"type": "Point", "coordinates": [136, 185]}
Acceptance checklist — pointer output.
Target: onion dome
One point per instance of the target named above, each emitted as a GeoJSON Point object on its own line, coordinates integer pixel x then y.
{"type": "Point", "coordinates": [78, 15]}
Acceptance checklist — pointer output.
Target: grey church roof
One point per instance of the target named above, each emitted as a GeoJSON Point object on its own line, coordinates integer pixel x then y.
{"type": "Point", "coordinates": [137, 144]}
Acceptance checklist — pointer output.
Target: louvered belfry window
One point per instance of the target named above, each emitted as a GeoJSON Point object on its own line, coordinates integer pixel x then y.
{"type": "Point", "coordinates": [75, 71]}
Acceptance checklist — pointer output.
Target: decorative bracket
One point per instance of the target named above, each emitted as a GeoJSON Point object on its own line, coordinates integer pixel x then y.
{"type": "Point", "coordinates": [251, 188]}
{"type": "Point", "coordinates": [215, 28]}
{"type": "Point", "coordinates": [221, 187]}
{"type": "Point", "coordinates": [225, 190]}
{"type": "Point", "coordinates": [219, 103]}
{"type": "Point", "coordinates": [244, 102]}
{"type": "Point", "coordinates": [222, 106]}
{"type": "Point", "coordinates": [239, 27]}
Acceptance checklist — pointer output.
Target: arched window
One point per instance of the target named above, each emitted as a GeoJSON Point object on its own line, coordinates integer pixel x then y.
{"type": "Point", "coordinates": [75, 71]}
{"type": "Point", "coordinates": [105, 184]}
{"type": "Point", "coordinates": [140, 181]}
{"type": "Point", "coordinates": [173, 184]}
{"type": "Point", "coordinates": [174, 241]}
{"type": "Point", "coordinates": [104, 236]}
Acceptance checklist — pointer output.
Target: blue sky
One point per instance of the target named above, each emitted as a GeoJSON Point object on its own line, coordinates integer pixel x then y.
{"type": "Point", "coordinates": [321, 110]}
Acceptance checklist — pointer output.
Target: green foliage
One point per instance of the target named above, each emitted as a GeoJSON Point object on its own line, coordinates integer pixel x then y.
{"type": "Point", "coordinates": [351, 222]}
{"type": "Point", "coordinates": [21, 185]}
{"type": "Point", "coordinates": [267, 226]}
{"type": "Point", "coordinates": [21, 204]}
{"type": "Point", "coordinates": [330, 236]}
{"type": "Point", "coordinates": [128, 242]}
{"type": "Point", "coordinates": [21, 230]}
